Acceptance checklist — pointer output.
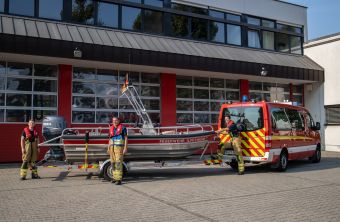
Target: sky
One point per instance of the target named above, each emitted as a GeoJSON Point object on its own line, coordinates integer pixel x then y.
{"type": "Point", "coordinates": [323, 16]}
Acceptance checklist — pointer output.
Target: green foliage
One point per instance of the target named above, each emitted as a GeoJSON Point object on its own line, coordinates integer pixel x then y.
{"type": "Point", "coordinates": [82, 10]}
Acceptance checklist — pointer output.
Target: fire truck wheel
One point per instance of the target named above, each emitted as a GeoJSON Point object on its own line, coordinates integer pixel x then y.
{"type": "Point", "coordinates": [316, 158]}
{"type": "Point", "coordinates": [283, 161]}
{"type": "Point", "coordinates": [234, 165]}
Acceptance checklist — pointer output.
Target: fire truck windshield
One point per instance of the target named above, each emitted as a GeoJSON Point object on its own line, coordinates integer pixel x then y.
{"type": "Point", "coordinates": [252, 117]}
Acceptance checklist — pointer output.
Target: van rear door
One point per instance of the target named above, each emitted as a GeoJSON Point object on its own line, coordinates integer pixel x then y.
{"type": "Point", "coordinates": [253, 138]}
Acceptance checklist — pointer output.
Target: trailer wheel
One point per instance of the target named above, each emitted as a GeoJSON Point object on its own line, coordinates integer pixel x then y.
{"type": "Point", "coordinates": [283, 161]}
{"type": "Point", "coordinates": [107, 171]}
{"type": "Point", "coordinates": [316, 158]}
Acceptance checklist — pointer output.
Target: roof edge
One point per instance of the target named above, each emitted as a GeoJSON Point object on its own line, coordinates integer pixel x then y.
{"type": "Point", "coordinates": [289, 3]}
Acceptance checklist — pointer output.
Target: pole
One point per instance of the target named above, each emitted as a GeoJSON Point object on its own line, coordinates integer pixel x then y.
{"type": "Point", "coordinates": [87, 138]}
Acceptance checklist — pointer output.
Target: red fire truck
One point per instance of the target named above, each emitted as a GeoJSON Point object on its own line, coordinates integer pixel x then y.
{"type": "Point", "coordinates": [274, 133]}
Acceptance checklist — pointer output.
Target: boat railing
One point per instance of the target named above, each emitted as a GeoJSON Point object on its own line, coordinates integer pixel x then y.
{"type": "Point", "coordinates": [163, 130]}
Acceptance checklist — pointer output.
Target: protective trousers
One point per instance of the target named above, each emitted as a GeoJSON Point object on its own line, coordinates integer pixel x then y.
{"type": "Point", "coordinates": [29, 158]}
{"type": "Point", "coordinates": [116, 157]}
{"type": "Point", "coordinates": [236, 142]}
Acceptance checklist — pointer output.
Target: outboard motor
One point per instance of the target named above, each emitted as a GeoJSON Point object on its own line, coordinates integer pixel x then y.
{"type": "Point", "coordinates": [52, 127]}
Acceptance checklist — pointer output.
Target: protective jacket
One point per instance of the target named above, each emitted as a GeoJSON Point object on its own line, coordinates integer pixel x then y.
{"type": "Point", "coordinates": [118, 134]}
{"type": "Point", "coordinates": [29, 136]}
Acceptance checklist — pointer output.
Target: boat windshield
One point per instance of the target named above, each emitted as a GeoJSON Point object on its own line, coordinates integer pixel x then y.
{"type": "Point", "coordinates": [252, 117]}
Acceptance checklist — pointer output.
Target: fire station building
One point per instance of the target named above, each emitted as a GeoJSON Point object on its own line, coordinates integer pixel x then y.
{"type": "Point", "coordinates": [186, 58]}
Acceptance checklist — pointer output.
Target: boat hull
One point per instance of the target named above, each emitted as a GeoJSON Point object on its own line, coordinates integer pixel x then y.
{"type": "Point", "coordinates": [156, 148]}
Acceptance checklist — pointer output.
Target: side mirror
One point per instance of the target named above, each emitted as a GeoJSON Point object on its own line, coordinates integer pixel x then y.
{"type": "Point", "coordinates": [317, 126]}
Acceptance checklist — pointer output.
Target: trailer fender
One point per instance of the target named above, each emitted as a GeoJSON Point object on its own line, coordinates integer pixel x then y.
{"type": "Point", "coordinates": [102, 167]}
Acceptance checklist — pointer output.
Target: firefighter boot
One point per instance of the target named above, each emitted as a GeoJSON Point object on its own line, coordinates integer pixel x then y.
{"type": "Point", "coordinates": [35, 173]}
{"type": "Point", "coordinates": [240, 165]}
{"type": "Point", "coordinates": [23, 170]}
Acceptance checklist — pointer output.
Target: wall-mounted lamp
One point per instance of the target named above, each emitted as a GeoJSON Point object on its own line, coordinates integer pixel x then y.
{"type": "Point", "coordinates": [77, 53]}
{"type": "Point", "coordinates": [264, 71]}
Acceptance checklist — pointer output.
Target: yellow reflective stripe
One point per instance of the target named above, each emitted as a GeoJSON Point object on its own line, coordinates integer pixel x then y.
{"type": "Point", "coordinates": [253, 152]}
{"type": "Point", "coordinates": [290, 137]}
{"type": "Point", "coordinates": [246, 152]}
{"type": "Point", "coordinates": [250, 140]}
{"type": "Point", "coordinates": [260, 133]}
{"type": "Point", "coordinates": [245, 143]}
{"type": "Point", "coordinates": [257, 140]}
{"type": "Point", "coordinates": [227, 137]}
{"type": "Point", "coordinates": [260, 151]}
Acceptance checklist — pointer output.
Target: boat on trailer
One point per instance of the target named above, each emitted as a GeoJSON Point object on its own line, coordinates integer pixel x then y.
{"type": "Point", "coordinates": [168, 143]}
{"type": "Point", "coordinates": [147, 143]}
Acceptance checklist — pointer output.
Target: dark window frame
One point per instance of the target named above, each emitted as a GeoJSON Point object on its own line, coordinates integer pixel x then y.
{"type": "Point", "coordinates": [167, 11]}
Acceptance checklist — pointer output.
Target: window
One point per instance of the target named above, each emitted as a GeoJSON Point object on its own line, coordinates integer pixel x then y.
{"type": "Point", "coordinates": [107, 14]}
{"type": "Point", "coordinates": [217, 32]}
{"type": "Point", "coordinates": [21, 7]}
{"type": "Point", "coordinates": [199, 28]}
{"type": "Point", "coordinates": [153, 21]}
{"type": "Point", "coordinates": [131, 18]}
{"type": "Point", "coordinates": [2, 9]}
{"type": "Point", "coordinates": [198, 10]}
{"type": "Point", "coordinates": [179, 25]}
{"type": "Point", "coordinates": [268, 40]}
{"type": "Point", "coordinates": [156, 3]}
{"type": "Point", "coordinates": [282, 42]}
{"type": "Point", "coordinates": [332, 114]}
{"type": "Point", "coordinates": [309, 120]}
{"type": "Point", "coordinates": [295, 44]}
{"type": "Point", "coordinates": [96, 95]}
{"type": "Point", "coordinates": [135, 1]}
{"type": "Point", "coordinates": [252, 116]}
{"type": "Point", "coordinates": [234, 34]}
{"type": "Point", "coordinates": [180, 7]}
{"type": "Point", "coordinates": [199, 99]}
{"type": "Point", "coordinates": [297, 95]}
{"type": "Point", "coordinates": [83, 11]}
{"type": "Point", "coordinates": [268, 23]}
{"type": "Point", "coordinates": [27, 91]}
{"type": "Point", "coordinates": [216, 14]}
{"type": "Point", "coordinates": [233, 17]}
{"type": "Point", "coordinates": [289, 28]}
{"type": "Point", "coordinates": [270, 92]}
{"type": "Point", "coordinates": [295, 119]}
{"type": "Point", "coordinates": [253, 21]}
{"type": "Point", "coordinates": [51, 9]}
{"type": "Point", "coordinates": [280, 119]}
{"type": "Point", "coordinates": [254, 39]}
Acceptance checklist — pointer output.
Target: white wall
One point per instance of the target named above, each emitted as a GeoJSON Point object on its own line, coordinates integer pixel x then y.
{"type": "Point", "coordinates": [314, 100]}
{"type": "Point", "coordinates": [272, 9]}
{"type": "Point", "coordinates": [326, 52]}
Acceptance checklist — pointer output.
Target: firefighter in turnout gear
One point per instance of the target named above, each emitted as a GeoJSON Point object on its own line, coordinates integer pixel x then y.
{"type": "Point", "coordinates": [29, 149]}
{"type": "Point", "coordinates": [234, 130]}
{"type": "Point", "coordinates": [117, 149]}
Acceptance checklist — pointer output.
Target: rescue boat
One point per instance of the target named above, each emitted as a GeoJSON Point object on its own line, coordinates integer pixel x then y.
{"type": "Point", "coordinates": [175, 143]}
{"type": "Point", "coordinates": [144, 143]}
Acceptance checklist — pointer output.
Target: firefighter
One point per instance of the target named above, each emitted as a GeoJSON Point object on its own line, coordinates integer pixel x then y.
{"type": "Point", "coordinates": [117, 149]}
{"type": "Point", "coordinates": [29, 149]}
{"type": "Point", "coordinates": [228, 122]}
{"type": "Point", "coordinates": [234, 130]}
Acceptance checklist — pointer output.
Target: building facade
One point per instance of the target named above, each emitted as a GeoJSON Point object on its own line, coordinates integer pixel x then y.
{"type": "Point", "coordinates": [186, 58]}
{"type": "Point", "coordinates": [326, 51]}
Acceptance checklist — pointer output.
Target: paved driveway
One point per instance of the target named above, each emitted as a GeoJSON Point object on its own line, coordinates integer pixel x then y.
{"type": "Point", "coordinates": [306, 192]}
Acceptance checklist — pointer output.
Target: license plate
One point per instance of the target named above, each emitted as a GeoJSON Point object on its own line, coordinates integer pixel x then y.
{"type": "Point", "coordinates": [229, 152]}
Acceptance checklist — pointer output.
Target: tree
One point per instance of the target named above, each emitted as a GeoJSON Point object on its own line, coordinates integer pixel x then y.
{"type": "Point", "coordinates": [82, 10]}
